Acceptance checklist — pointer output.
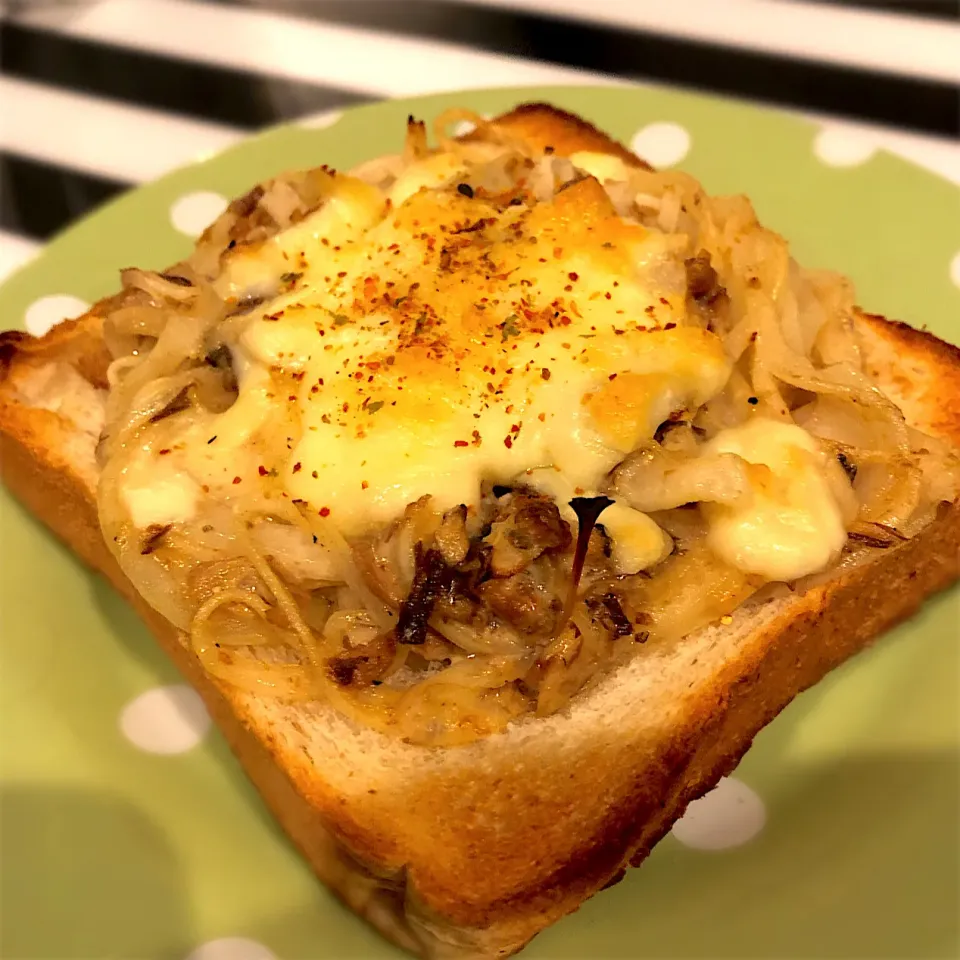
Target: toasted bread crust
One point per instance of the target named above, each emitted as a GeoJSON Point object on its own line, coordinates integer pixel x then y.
{"type": "Point", "coordinates": [542, 125]}
{"type": "Point", "coordinates": [919, 372]}
{"type": "Point", "coordinates": [414, 852]}
{"type": "Point", "coordinates": [78, 343]}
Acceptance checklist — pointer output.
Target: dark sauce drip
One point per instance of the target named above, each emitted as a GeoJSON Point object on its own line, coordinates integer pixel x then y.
{"type": "Point", "coordinates": [588, 510]}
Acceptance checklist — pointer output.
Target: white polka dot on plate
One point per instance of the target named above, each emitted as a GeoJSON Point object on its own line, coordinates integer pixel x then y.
{"type": "Point", "coordinates": [231, 948]}
{"type": "Point", "coordinates": [194, 212]}
{"type": "Point", "coordinates": [730, 815]}
{"type": "Point", "coordinates": [165, 720]}
{"type": "Point", "coordinates": [47, 312]}
{"type": "Point", "coordinates": [955, 269]}
{"type": "Point", "coordinates": [841, 146]}
{"type": "Point", "coordinates": [320, 121]}
{"type": "Point", "coordinates": [661, 144]}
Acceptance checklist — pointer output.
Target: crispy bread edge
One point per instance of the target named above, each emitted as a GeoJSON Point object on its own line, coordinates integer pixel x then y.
{"type": "Point", "coordinates": [783, 659]}
{"type": "Point", "coordinates": [542, 125]}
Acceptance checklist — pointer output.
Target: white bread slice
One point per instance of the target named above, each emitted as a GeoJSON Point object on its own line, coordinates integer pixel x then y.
{"type": "Point", "coordinates": [470, 851]}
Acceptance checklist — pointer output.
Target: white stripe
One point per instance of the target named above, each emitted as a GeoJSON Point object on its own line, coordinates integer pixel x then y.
{"type": "Point", "coordinates": [15, 251]}
{"type": "Point", "coordinates": [144, 143]}
{"type": "Point", "coordinates": [296, 48]}
{"type": "Point", "coordinates": [886, 42]}
{"type": "Point", "coordinates": [100, 136]}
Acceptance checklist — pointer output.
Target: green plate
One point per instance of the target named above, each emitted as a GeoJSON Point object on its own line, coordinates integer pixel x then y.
{"type": "Point", "coordinates": [130, 832]}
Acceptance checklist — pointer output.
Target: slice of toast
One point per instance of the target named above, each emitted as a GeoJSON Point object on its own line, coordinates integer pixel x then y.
{"type": "Point", "coordinates": [470, 851]}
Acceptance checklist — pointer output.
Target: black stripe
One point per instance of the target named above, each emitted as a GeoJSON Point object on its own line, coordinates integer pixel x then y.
{"type": "Point", "coordinates": [39, 199]}
{"type": "Point", "coordinates": [933, 9]}
{"type": "Point", "coordinates": [925, 105]}
{"type": "Point", "coordinates": [174, 85]}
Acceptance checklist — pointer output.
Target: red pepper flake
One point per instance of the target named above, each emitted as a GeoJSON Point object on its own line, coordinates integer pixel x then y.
{"type": "Point", "coordinates": [324, 511]}
{"type": "Point", "coordinates": [573, 276]}
{"type": "Point", "coordinates": [612, 376]}
{"type": "Point", "coordinates": [262, 470]}
{"type": "Point", "coordinates": [164, 451]}
{"type": "Point", "coordinates": [507, 442]}
{"type": "Point", "coordinates": [609, 296]}
{"type": "Point", "coordinates": [545, 373]}
{"type": "Point", "coordinates": [297, 466]}
{"type": "Point", "coordinates": [364, 484]}
{"type": "Point", "coordinates": [541, 417]}
{"type": "Point", "coordinates": [579, 491]}
{"type": "Point", "coordinates": [515, 428]}
{"type": "Point", "coordinates": [476, 438]}
{"type": "Point", "coordinates": [314, 474]}
{"type": "Point", "coordinates": [236, 480]}
{"type": "Point", "coordinates": [669, 326]}
{"type": "Point", "coordinates": [558, 252]}
{"type": "Point", "coordinates": [461, 443]}
{"type": "Point", "coordinates": [665, 301]}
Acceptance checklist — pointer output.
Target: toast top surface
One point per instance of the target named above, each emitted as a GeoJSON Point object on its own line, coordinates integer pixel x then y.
{"type": "Point", "coordinates": [590, 742]}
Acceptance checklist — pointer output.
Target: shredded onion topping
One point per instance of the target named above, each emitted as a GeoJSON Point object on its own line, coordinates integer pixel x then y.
{"type": "Point", "coordinates": [445, 627]}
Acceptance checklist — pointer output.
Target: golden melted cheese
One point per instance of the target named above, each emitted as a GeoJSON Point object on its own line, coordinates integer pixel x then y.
{"type": "Point", "coordinates": [425, 345]}
{"type": "Point", "coordinates": [790, 525]}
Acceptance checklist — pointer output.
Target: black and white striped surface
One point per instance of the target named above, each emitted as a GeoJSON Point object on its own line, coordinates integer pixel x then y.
{"type": "Point", "coordinates": [98, 95]}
